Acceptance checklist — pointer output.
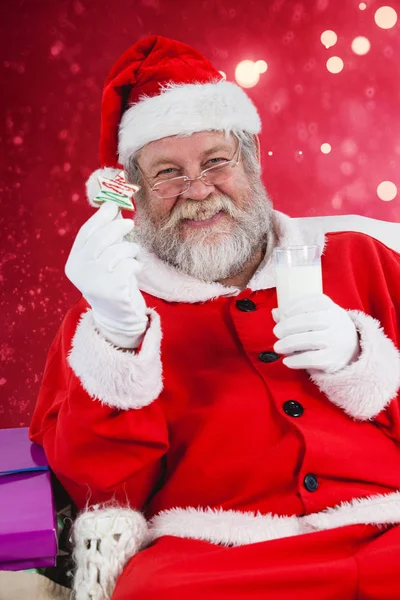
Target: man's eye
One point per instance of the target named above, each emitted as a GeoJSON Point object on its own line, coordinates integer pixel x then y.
{"type": "Point", "coordinates": [216, 161]}
{"type": "Point", "coordinates": [168, 171]}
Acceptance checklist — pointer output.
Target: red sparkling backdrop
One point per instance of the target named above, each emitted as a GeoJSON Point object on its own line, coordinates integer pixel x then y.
{"type": "Point", "coordinates": [55, 56]}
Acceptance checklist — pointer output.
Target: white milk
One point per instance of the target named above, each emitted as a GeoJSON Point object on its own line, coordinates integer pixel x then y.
{"type": "Point", "coordinates": [294, 282]}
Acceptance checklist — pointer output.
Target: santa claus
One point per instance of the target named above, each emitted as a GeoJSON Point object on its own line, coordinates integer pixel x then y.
{"type": "Point", "coordinates": [248, 453]}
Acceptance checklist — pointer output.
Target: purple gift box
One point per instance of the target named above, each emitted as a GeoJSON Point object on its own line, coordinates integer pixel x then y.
{"type": "Point", "coordinates": [27, 513]}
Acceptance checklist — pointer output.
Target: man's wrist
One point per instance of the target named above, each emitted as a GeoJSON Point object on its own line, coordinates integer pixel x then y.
{"type": "Point", "coordinates": [128, 338]}
{"type": "Point", "coordinates": [122, 341]}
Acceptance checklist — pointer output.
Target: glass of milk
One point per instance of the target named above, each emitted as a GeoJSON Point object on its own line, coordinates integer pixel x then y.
{"type": "Point", "coordinates": [298, 272]}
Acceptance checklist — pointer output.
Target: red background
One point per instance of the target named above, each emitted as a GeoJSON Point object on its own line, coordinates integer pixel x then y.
{"type": "Point", "coordinates": [55, 57]}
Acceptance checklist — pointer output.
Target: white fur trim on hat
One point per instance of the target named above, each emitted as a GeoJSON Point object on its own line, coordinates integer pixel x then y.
{"type": "Point", "coordinates": [186, 109]}
{"type": "Point", "coordinates": [118, 379]}
{"type": "Point", "coordinates": [364, 388]}
{"type": "Point", "coordinates": [93, 185]}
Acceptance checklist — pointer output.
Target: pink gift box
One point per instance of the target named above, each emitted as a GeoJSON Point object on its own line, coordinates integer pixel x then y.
{"type": "Point", "coordinates": [28, 537]}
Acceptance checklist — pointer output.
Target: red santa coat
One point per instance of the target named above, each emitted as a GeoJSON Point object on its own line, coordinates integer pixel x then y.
{"type": "Point", "coordinates": [207, 432]}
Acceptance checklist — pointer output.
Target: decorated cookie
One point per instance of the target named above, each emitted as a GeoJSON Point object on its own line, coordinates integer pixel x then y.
{"type": "Point", "coordinates": [116, 190]}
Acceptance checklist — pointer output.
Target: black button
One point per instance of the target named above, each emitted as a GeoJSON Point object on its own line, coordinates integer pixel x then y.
{"type": "Point", "coordinates": [310, 482]}
{"type": "Point", "coordinates": [293, 408]}
{"type": "Point", "coordinates": [245, 305]}
{"type": "Point", "coordinates": [268, 357]}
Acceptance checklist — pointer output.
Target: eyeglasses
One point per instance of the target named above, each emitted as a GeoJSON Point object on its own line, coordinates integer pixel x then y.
{"type": "Point", "coordinates": [170, 188]}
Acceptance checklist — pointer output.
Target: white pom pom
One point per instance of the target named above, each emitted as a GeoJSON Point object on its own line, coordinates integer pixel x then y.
{"type": "Point", "coordinates": [93, 185]}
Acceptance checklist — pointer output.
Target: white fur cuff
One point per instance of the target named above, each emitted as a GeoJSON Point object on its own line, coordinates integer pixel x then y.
{"type": "Point", "coordinates": [364, 388]}
{"type": "Point", "coordinates": [118, 379]}
{"type": "Point", "coordinates": [105, 538]}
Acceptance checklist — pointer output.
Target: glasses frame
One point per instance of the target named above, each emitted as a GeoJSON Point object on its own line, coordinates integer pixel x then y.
{"type": "Point", "coordinates": [233, 162]}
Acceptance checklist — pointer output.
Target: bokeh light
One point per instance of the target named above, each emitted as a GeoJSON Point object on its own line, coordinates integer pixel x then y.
{"type": "Point", "coordinates": [246, 74]}
{"type": "Point", "coordinates": [261, 66]}
{"type": "Point", "coordinates": [328, 38]}
{"type": "Point", "coordinates": [386, 191]}
{"type": "Point", "coordinates": [362, 6]}
{"type": "Point", "coordinates": [337, 201]}
{"type": "Point", "coordinates": [347, 168]}
{"type": "Point", "coordinates": [361, 45]}
{"type": "Point", "coordinates": [299, 156]}
{"type": "Point", "coordinates": [349, 147]}
{"type": "Point", "coordinates": [326, 148]}
{"type": "Point", "coordinates": [334, 64]}
{"type": "Point", "coordinates": [223, 74]}
{"type": "Point", "coordinates": [385, 17]}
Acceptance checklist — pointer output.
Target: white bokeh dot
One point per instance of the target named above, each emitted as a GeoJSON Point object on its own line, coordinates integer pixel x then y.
{"type": "Point", "coordinates": [326, 148]}
{"type": "Point", "coordinates": [362, 6]}
{"type": "Point", "coordinates": [247, 74]}
{"type": "Point", "coordinates": [386, 191]}
{"type": "Point", "coordinates": [361, 45]}
{"type": "Point", "coordinates": [328, 38]}
{"type": "Point", "coordinates": [299, 156]}
{"type": "Point", "coordinates": [334, 64]}
{"type": "Point", "coordinates": [223, 74]}
{"type": "Point", "coordinates": [385, 17]}
{"type": "Point", "coordinates": [261, 66]}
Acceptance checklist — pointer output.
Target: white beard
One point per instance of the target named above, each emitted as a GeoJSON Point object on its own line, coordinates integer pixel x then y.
{"type": "Point", "coordinates": [211, 253]}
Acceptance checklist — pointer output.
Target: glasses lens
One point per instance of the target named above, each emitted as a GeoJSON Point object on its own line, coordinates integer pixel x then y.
{"type": "Point", "coordinates": [219, 173]}
{"type": "Point", "coordinates": [171, 188]}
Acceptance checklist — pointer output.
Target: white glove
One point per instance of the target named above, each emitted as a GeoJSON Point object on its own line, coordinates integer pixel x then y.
{"type": "Point", "coordinates": [104, 267]}
{"type": "Point", "coordinates": [316, 334]}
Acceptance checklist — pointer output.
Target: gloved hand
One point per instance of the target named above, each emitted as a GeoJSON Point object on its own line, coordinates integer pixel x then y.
{"type": "Point", "coordinates": [104, 267]}
{"type": "Point", "coordinates": [315, 334]}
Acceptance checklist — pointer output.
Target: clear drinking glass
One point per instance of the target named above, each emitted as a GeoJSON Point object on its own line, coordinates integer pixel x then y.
{"type": "Point", "coordinates": [298, 272]}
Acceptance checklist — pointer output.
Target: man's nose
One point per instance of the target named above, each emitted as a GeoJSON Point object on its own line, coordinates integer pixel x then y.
{"type": "Point", "coordinates": [198, 190]}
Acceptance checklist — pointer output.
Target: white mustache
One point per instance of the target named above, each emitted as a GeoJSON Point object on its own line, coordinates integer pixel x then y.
{"type": "Point", "coordinates": [193, 209]}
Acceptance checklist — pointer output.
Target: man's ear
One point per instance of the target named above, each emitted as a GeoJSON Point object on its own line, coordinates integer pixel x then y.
{"type": "Point", "coordinates": [258, 148]}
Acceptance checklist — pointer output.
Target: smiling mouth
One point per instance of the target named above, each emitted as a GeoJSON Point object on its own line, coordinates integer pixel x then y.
{"type": "Point", "coordinates": [203, 221]}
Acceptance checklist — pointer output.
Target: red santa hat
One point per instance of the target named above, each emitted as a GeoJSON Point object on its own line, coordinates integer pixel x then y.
{"type": "Point", "coordinates": [159, 88]}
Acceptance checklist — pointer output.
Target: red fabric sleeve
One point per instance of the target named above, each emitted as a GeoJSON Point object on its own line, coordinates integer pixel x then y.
{"type": "Point", "coordinates": [97, 452]}
{"type": "Point", "coordinates": [374, 271]}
